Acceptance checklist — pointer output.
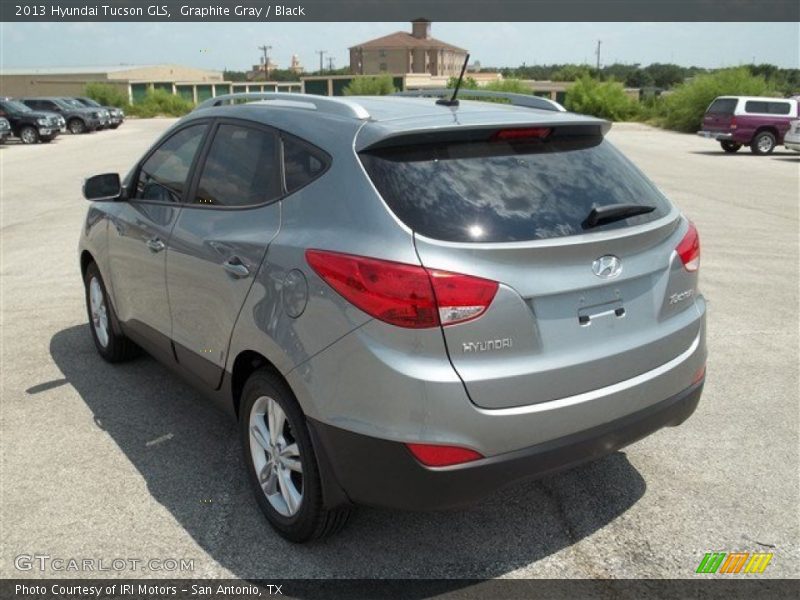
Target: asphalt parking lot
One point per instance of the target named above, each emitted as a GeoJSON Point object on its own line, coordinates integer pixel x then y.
{"type": "Point", "coordinates": [127, 461]}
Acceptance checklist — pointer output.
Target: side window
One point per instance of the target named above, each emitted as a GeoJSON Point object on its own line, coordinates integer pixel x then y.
{"type": "Point", "coordinates": [302, 163]}
{"type": "Point", "coordinates": [241, 168]}
{"type": "Point", "coordinates": [779, 108]}
{"type": "Point", "coordinates": [755, 106]}
{"type": "Point", "coordinates": [162, 177]}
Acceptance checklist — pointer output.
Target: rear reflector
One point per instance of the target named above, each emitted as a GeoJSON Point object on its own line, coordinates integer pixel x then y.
{"type": "Point", "coordinates": [432, 455]}
{"type": "Point", "coordinates": [518, 135]}
{"type": "Point", "coordinates": [689, 249]}
{"type": "Point", "coordinates": [699, 374]}
{"type": "Point", "coordinates": [403, 295]}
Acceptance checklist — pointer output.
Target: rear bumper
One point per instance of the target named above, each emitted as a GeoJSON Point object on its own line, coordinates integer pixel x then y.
{"type": "Point", "coordinates": [792, 141]}
{"type": "Point", "coordinates": [371, 471]}
{"type": "Point", "coordinates": [716, 135]}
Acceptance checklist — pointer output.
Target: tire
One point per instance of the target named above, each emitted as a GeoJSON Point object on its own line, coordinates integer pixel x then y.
{"type": "Point", "coordinates": [730, 147]}
{"type": "Point", "coordinates": [111, 344]}
{"type": "Point", "coordinates": [115, 126]}
{"type": "Point", "coordinates": [46, 139]}
{"type": "Point", "coordinates": [763, 143]}
{"type": "Point", "coordinates": [29, 135]}
{"type": "Point", "coordinates": [76, 126]}
{"type": "Point", "coordinates": [294, 507]}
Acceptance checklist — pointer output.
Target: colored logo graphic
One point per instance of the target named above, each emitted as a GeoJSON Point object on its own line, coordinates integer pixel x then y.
{"type": "Point", "coordinates": [734, 562]}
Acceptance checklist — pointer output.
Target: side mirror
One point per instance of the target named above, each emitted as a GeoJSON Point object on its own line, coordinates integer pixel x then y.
{"type": "Point", "coordinates": [103, 187]}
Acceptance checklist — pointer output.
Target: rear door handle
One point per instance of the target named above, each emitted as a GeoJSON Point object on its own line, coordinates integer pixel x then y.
{"type": "Point", "coordinates": [155, 244]}
{"type": "Point", "coordinates": [235, 267]}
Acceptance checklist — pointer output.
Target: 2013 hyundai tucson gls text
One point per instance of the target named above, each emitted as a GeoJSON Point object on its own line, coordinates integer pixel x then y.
{"type": "Point", "coordinates": [404, 303]}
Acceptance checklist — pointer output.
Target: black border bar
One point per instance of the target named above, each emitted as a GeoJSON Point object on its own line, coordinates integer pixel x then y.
{"type": "Point", "coordinates": [405, 10]}
{"type": "Point", "coordinates": [701, 586]}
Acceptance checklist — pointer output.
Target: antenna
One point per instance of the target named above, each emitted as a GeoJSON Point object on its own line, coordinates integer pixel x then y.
{"type": "Point", "coordinates": [453, 101]}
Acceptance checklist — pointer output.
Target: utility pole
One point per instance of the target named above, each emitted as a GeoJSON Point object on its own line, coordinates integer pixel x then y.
{"type": "Point", "coordinates": [321, 54]}
{"type": "Point", "coordinates": [330, 64]}
{"type": "Point", "coordinates": [598, 54]}
{"type": "Point", "coordinates": [266, 50]}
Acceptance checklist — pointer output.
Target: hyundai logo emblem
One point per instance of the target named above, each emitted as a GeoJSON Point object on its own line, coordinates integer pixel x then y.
{"type": "Point", "coordinates": [607, 267]}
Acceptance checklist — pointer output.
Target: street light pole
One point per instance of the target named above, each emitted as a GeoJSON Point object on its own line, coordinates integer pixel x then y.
{"type": "Point", "coordinates": [598, 54]}
{"type": "Point", "coordinates": [266, 50]}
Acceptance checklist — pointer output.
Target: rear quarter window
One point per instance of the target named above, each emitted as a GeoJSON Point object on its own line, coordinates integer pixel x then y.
{"type": "Point", "coordinates": [302, 163]}
{"type": "Point", "coordinates": [509, 192]}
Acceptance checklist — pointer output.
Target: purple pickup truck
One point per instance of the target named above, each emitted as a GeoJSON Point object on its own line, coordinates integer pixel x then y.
{"type": "Point", "coordinates": [761, 123]}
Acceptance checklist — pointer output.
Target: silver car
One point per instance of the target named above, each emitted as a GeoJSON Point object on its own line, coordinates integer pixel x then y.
{"type": "Point", "coordinates": [405, 304]}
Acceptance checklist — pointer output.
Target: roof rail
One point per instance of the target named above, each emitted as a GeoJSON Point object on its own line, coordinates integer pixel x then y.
{"type": "Point", "coordinates": [326, 104]}
{"type": "Point", "coordinates": [525, 100]}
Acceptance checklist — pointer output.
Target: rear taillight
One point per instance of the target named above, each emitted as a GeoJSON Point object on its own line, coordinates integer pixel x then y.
{"type": "Point", "coordinates": [432, 455]}
{"type": "Point", "coordinates": [689, 249]}
{"type": "Point", "coordinates": [733, 123]}
{"type": "Point", "coordinates": [403, 295]}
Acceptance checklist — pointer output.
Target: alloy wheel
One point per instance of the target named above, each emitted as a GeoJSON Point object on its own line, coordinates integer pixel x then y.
{"type": "Point", "coordinates": [28, 136]}
{"type": "Point", "coordinates": [97, 307]}
{"type": "Point", "coordinates": [765, 143]}
{"type": "Point", "coordinates": [276, 456]}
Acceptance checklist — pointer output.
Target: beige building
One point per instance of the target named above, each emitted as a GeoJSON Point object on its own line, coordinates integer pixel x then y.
{"type": "Point", "coordinates": [131, 80]}
{"type": "Point", "coordinates": [401, 52]}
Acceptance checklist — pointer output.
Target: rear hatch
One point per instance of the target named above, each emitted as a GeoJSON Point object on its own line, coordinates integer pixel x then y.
{"type": "Point", "coordinates": [580, 304]}
{"type": "Point", "coordinates": [719, 115]}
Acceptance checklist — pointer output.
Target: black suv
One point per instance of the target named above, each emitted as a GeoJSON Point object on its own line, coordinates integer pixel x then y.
{"type": "Point", "coordinates": [115, 115]}
{"type": "Point", "coordinates": [79, 120]}
{"type": "Point", "coordinates": [29, 125]}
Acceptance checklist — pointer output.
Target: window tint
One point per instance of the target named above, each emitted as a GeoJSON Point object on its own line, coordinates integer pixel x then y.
{"type": "Point", "coordinates": [505, 192]}
{"type": "Point", "coordinates": [302, 163]}
{"type": "Point", "coordinates": [241, 168]}
{"type": "Point", "coordinates": [756, 106]}
{"type": "Point", "coordinates": [779, 108]}
{"type": "Point", "coordinates": [764, 107]}
{"type": "Point", "coordinates": [722, 106]}
{"type": "Point", "coordinates": [163, 175]}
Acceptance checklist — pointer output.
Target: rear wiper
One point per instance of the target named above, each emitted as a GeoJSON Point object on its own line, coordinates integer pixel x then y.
{"type": "Point", "coordinates": [600, 215]}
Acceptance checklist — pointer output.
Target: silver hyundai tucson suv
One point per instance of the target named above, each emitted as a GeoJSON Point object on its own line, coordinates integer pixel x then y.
{"type": "Point", "coordinates": [405, 304]}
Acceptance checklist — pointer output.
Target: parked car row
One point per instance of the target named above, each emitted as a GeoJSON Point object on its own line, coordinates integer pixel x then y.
{"type": "Point", "coordinates": [42, 119]}
{"type": "Point", "coordinates": [757, 122]}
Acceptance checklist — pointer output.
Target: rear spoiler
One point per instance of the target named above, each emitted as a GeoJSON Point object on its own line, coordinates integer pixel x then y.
{"type": "Point", "coordinates": [524, 100]}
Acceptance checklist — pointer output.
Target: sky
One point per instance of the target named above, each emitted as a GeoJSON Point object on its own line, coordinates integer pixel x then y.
{"type": "Point", "coordinates": [235, 45]}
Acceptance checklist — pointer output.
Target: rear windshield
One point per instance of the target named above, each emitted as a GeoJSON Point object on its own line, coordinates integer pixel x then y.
{"type": "Point", "coordinates": [507, 192]}
{"type": "Point", "coordinates": [722, 106]}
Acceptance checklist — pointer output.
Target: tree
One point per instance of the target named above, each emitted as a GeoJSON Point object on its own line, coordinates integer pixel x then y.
{"type": "Point", "coordinates": [379, 85]}
{"type": "Point", "coordinates": [684, 108]}
{"type": "Point", "coordinates": [604, 99]}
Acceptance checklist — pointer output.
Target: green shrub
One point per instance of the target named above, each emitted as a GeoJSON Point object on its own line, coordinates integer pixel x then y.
{"type": "Point", "coordinates": [159, 103]}
{"type": "Point", "coordinates": [683, 109]}
{"type": "Point", "coordinates": [604, 99]}
{"type": "Point", "coordinates": [379, 85]}
{"type": "Point", "coordinates": [514, 86]}
{"type": "Point", "coordinates": [469, 83]}
{"type": "Point", "coordinates": [107, 95]}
